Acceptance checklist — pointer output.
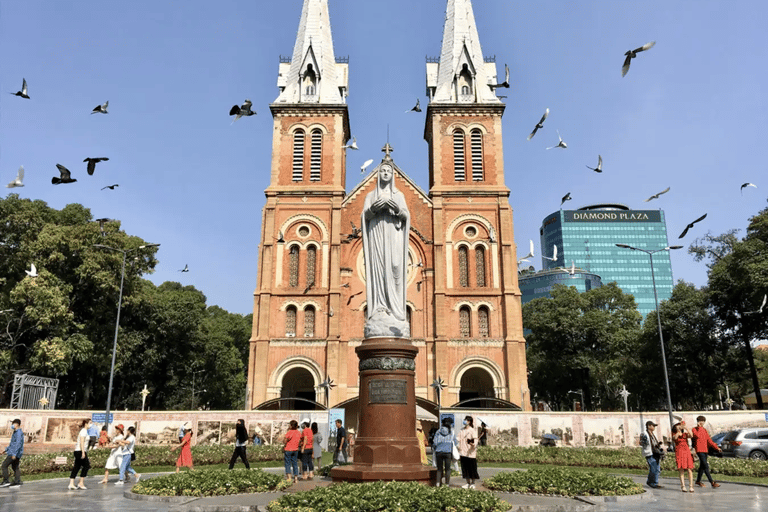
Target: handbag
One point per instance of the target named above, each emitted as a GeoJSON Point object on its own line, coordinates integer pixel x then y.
{"type": "Point", "coordinates": [133, 457]}
{"type": "Point", "coordinates": [455, 452]}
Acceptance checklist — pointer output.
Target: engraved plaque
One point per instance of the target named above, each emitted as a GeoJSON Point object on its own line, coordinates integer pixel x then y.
{"type": "Point", "coordinates": [381, 391]}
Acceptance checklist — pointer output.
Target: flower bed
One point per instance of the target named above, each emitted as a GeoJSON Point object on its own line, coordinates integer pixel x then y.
{"type": "Point", "coordinates": [563, 482]}
{"type": "Point", "coordinates": [388, 497]}
{"type": "Point", "coordinates": [151, 456]}
{"type": "Point", "coordinates": [621, 458]}
{"type": "Point", "coordinates": [211, 482]}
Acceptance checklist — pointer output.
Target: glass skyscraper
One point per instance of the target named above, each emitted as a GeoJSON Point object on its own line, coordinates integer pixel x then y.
{"type": "Point", "coordinates": [539, 284]}
{"type": "Point", "coordinates": [588, 237]}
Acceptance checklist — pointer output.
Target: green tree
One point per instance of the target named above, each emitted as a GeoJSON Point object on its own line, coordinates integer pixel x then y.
{"type": "Point", "coordinates": [581, 342]}
{"type": "Point", "coordinates": [738, 281]}
{"type": "Point", "coordinates": [698, 360]}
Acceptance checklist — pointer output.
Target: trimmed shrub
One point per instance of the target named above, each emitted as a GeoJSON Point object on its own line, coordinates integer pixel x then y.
{"type": "Point", "coordinates": [389, 497]}
{"type": "Point", "coordinates": [563, 482]}
{"type": "Point", "coordinates": [211, 482]}
{"type": "Point", "coordinates": [151, 456]}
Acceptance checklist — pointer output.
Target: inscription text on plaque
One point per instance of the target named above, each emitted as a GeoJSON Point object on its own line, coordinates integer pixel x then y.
{"type": "Point", "coordinates": [386, 391]}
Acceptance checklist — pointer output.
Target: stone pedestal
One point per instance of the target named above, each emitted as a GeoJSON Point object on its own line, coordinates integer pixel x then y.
{"type": "Point", "coordinates": [386, 447]}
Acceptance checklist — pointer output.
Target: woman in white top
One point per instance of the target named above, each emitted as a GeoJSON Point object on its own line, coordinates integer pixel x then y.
{"type": "Point", "coordinates": [128, 445]}
{"type": "Point", "coordinates": [82, 463]}
{"type": "Point", "coordinates": [116, 455]}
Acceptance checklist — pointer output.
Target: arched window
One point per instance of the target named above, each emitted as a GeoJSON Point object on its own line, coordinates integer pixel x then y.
{"type": "Point", "coordinates": [483, 326]}
{"type": "Point", "coordinates": [465, 81]}
{"type": "Point", "coordinates": [310, 81]}
{"type": "Point", "coordinates": [480, 266]}
{"type": "Point", "coordinates": [476, 139]}
{"type": "Point", "coordinates": [309, 321]}
{"type": "Point", "coordinates": [316, 156]}
{"type": "Point", "coordinates": [464, 322]}
{"type": "Point", "coordinates": [311, 264]}
{"type": "Point", "coordinates": [298, 155]}
{"type": "Point", "coordinates": [290, 321]}
{"type": "Point", "coordinates": [293, 265]}
{"type": "Point", "coordinates": [463, 266]}
{"type": "Point", "coordinates": [459, 171]}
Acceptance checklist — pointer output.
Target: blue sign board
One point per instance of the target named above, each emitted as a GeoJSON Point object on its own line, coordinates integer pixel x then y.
{"type": "Point", "coordinates": [98, 417]}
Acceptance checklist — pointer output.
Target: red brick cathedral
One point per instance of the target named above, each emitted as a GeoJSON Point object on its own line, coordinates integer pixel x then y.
{"type": "Point", "coordinates": [462, 291]}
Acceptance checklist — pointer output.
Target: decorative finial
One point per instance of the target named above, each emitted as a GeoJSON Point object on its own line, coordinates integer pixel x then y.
{"type": "Point", "coordinates": [387, 149]}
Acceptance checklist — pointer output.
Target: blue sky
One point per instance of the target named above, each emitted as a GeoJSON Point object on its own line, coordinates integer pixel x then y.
{"type": "Point", "coordinates": [690, 114]}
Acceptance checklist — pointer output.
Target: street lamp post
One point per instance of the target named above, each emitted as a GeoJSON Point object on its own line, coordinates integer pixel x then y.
{"type": "Point", "coordinates": [658, 319]}
{"type": "Point", "coordinates": [117, 322]}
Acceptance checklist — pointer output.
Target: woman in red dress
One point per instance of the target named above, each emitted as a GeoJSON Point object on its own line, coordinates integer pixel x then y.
{"type": "Point", "coordinates": [683, 457]}
{"type": "Point", "coordinates": [185, 457]}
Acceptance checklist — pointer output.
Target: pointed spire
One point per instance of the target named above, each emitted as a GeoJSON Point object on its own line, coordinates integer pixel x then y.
{"type": "Point", "coordinates": [462, 75]}
{"type": "Point", "coordinates": [312, 75]}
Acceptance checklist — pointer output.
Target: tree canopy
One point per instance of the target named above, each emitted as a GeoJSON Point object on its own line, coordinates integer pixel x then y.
{"type": "Point", "coordinates": [61, 323]}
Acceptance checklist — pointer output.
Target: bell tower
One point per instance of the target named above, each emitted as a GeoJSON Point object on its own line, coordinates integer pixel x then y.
{"type": "Point", "coordinates": [298, 278]}
{"type": "Point", "coordinates": [478, 315]}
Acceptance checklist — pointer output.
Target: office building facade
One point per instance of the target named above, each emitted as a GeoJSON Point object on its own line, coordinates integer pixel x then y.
{"type": "Point", "coordinates": [588, 237]}
{"type": "Point", "coordinates": [539, 284]}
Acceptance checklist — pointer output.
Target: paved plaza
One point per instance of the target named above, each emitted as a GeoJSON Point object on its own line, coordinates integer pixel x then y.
{"type": "Point", "coordinates": [53, 495]}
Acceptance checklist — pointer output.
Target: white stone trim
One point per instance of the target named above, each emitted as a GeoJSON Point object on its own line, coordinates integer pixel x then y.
{"type": "Point", "coordinates": [276, 378]}
{"type": "Point", "coordinates": [496, 373]}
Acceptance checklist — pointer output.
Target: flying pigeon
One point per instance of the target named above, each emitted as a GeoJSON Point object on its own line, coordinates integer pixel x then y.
{"type": "Point", "coordinates": [759, 311]}
{"type": "Point", "coordinates": [365, 166]}
{"type": "Point", "coordinates": [505, 83]}
{"type": "Point", "coordinates": [19, 181]}
{"type": "Point", "coordinates": [540, 124]}
{"type": "Point", "coordinates": [689, 226]}
{"type": "Point", "coordinates": [243, 110]}
{"type": "Point", "coordinates": [101, 109]}
{"type": "Point", "coordinates": [530, 253]}
{"type": "Point", "coordinates": [656, 196]}
{"type": "Point", "coordinates": [416, 108]}
{"type": "Point", "coordinates": [631, 54]}
{"type": "Point", "coordinates": [185, 269]}
{"type": "Point", "coordinates": [573, 268]}
{"type": "Point", "coordinates": [279, 237]}
{"type": "Point", "coordinates": [747, 185]}
{"type": "Point", "coordinates": [309, 287]}
{"type": "Point", "coordinates": [23, 91]}
{"type": "Point", "coordinates": [355, 230]}
{"type": "Point", "coordinates": [344, 285]}
{"type": "Point", "coordinates": [554, 254]}
{"type": "Point", "coordinates": [566, 197]}
{"type": "Point", "coordinates": [599, 167]}
{"type": "Point", "coordinates": [92, 163]}
{"type": "Point", "coordinates": [351, 146]}
{"type": "Point", "coordinates": [560, 144]}
{"type": "Point", "coordinates": [111, 187]}
{"type": "Point", "coordinates": [33, 270]}
{"type": "Point", "coordinates": [416, 265]}
{"type": "Point", "coordinates": [330, 311]}
{"type": "Point", "coordinates": [66, 176]}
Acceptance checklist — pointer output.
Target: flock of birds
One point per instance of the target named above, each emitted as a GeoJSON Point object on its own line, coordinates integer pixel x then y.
{"type": "Point", "coordinates": [65, 175]}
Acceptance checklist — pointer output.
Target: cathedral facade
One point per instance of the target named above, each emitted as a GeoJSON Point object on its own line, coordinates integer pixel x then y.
{"type": "Point", "coordinates": [463, 300]}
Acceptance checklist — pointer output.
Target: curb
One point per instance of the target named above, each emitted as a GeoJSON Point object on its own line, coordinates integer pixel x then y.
{"type": "Point", "coordinates": [160, 499]}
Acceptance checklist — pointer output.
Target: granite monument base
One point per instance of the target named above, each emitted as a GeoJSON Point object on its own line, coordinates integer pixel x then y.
{"type": "Point", "coordinates": [386, 446]}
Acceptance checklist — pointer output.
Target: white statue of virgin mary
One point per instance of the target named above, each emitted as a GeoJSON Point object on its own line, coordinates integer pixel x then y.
{"type": "Point", "coordinates": [386, 225]}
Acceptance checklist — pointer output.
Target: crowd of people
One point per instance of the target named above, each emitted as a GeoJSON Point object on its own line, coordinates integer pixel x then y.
{"type": "Point", "coordinates": [701, 444]}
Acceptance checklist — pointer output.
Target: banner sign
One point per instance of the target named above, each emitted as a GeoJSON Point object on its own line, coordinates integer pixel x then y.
{"type": "Point", "coordinates": [612, 216]}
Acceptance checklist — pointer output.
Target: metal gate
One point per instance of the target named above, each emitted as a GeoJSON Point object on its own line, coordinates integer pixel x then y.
{"type": "Point", "coordinates": [31, 392]}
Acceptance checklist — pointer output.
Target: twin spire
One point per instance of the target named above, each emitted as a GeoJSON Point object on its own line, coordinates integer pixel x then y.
{"type": "Point", "coordinates": [313, 75]}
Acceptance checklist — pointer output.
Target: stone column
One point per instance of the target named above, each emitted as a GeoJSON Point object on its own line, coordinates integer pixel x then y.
{"type": "Point", "coordinates": [386, 447]}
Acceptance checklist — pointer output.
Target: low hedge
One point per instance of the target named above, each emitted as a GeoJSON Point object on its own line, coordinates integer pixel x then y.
{"type": "Point", "coordinates": [211, 482]}
{"type": "Point", "coordinates": [389, 497]}
{"type": "Point", "coordinates": [619, 458]}
{"type": "Point", "coordinates": [151, 456]}
{"type": "Point", "coordinates": [563, 482]}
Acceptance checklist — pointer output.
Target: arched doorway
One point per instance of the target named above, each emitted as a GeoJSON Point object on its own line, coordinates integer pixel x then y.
{"type": "Point", "coordinates": [297, 383]}
{"type": "Point", "coordinates": [476, 383]}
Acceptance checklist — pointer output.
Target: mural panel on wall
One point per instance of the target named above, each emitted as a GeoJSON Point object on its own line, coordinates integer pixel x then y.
{"type": "Point", "coordinates": [208, 432]}
{"type": "Point", "coordinates": [158, 432]}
